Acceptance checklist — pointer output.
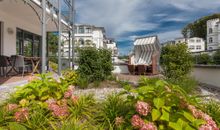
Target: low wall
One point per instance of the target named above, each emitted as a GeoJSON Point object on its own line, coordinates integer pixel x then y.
{"type": "Point", "coordinates": [118, 68]}
{"type": "Point", "coordinates": [207, 74]}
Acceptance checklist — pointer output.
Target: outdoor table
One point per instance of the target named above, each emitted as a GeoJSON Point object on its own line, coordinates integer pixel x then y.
{"type": "Point", "coordinates": [35, 61]}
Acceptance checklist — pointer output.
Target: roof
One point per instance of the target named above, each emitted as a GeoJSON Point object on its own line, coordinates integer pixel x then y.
{"type": "Point", "coordinates": [145, 40]}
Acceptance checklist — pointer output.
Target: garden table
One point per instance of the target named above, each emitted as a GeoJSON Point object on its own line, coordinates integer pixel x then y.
{"type": "Point", "coordinates": [35, 61]}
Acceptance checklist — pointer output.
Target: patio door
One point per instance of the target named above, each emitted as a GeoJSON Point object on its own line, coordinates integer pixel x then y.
{"type": "Point", "coordinates": [1, 38]}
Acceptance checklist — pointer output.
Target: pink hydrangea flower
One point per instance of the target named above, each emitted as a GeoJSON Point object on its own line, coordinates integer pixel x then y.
{"type": "Point", "coordinates": [119, 121]}
{"type": "Point", "coordinates": [21, 115]}
{"type": "Point", "coordinates": [143, 108]}
{"type": "Point", "coordinates": [74, 99]}
{"type": "Point", "coordinates": [149, 126]}
{"type": "Point", "coordinates": [69, 91]}
{"type": "Point", "coordinates": [11, 107]}
{"type": "Point", "coordinates": [61, 111]}
{"type": "Point", "coordinates": [210, 124]}
{"type": "Point", "coordinates": [136, 121]}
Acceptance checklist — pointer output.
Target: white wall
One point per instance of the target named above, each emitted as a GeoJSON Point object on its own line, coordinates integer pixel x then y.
{"type": "Point", "coordinates": [196, 42]}
{"type": "Point", "coordinates": [9, 40]}
{"type": "Point", "coordinates": [207, 75]}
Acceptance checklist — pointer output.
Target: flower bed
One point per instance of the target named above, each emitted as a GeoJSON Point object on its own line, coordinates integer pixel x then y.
{"type": "Point", "coordinates": [45, 103]}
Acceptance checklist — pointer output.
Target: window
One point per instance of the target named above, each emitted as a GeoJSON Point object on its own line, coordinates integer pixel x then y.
{"type": "Point", "coordinates": [0, 37]}
{"type": "Point", "coordinates": [210, 40]}
{"type": "Point", "coordinates": [88, 30]}
{"type": "Point", "coordinates": [210, 30]}
{"type": "Point", "coordinates": [81, 41]}
{"type": "Point", "coordinates": [198, 47]}
{"type": "Point", "coordinates": [81, 30]}
{"type": "Point", "coordinates": [192, 40]}
{"type": "Point", "coordinates": [191, 47]}
{"type": "Point", "coordinates": [27, 44]}
{"type": "Point", "coordinates": [198, 40]}
{"type": "Point", "coordinates": [210, 48]}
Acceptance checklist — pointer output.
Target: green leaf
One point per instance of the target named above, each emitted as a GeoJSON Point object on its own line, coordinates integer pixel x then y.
{"type": "Point", "coordinates": [175, 126]}
{"type": "Point", "coordinates": [188, 127]}
{"type": "Point", "coordinates": [188, 116]}
{"type": "Point", "coordinates": [198, 122]}
{"type": "Point", "coordinates": [181, 123]}
{"type": "Point", "coordinates": [165, 115]}
{"type": "Point", "coordinates": [155, 114]}
{"type": "Point", "coordinates": [158, 102]}
{"type": "Point", "coordinates": [16, 126]}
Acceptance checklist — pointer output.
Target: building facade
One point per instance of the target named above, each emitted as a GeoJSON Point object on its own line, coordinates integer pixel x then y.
{"type": "Point", "coordinates": [112, 46]}
{"type": "Point", "coordinates": [195, 44]}
{"type": "Point", "coordinates": [213, 34]}
{"type": "Point", "coordinates": [89, 35]}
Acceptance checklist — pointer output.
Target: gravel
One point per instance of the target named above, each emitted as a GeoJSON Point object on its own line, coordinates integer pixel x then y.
{"type": "Point", "coordinates": [7, 89]}
{"type": "Point", "coordinates": [99, 93]}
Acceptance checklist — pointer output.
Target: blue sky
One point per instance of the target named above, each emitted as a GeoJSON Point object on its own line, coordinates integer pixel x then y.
{"type": "Point", "coordinates": [125, 20]}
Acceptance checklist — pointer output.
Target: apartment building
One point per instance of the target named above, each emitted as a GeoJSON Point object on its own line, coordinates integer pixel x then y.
{"type": "Point", "coordinates": [213, 34]}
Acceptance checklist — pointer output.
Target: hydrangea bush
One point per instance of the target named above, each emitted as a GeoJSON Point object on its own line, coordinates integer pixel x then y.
{"type": "Point", "coordinates": [165, 106]}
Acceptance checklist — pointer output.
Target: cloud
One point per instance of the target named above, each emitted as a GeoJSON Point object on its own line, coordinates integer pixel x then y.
{"type": "Point", "coordinates": [126, 19]}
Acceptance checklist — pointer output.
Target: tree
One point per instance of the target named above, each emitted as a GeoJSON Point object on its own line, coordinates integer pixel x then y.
{"type": "Point", "coordinates": [176, 61]}
{"type": "Point", "coordinates": [199, 27]}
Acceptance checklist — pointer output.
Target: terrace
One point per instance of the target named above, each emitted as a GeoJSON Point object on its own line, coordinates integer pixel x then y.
{"type": "Point", "coordinates": [25, 26]}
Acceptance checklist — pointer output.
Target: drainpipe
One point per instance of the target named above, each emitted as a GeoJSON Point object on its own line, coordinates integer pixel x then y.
{"type": "Point", "coordinates": [59, 38]}
{"type": "Point", "coordinates": [43, 33]}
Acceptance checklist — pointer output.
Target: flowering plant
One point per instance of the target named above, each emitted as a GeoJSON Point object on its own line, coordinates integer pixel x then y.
{"type": "Point", "coordinates": [165, 106]}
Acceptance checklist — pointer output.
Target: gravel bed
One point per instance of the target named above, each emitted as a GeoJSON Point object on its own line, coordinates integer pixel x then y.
{"type": "Point", "coordinates": [7, 89]}
{"type": "Point", "coordinates": [99, 93]}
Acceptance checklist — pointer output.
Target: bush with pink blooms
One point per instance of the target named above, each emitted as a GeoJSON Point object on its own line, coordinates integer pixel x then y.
{"type": "Point", "coordinates": [165, 106]}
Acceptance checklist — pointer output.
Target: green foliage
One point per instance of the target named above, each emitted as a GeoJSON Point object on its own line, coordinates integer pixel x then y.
{"type": "Point", "coordinates": [94, 64]}
{"type": "Point", "coordinates": [199, 27]}
{"type": "Point", "coordinates": [216, 57]}
{"type": "Point", "coordinates": [70, 76]}
{"type": "Point", "coordinates": [168, 105]}
{"type": "Point", "coordinates": [40, 90]}
{"type": "Point", "coordinates": [213, 109]}
{"type": "Point", "coordinates": [82, 82]}
{"type": "Point", "coordinates": [176, 61]}
{"type": "Point", "coordinates": [114, 106]}
{"type": "Point", "coordinates": [188, 84]}
{"type": "Point", "coordinates": [202, 59]}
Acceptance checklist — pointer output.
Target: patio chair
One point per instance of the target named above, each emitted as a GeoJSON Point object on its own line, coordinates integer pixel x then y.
{"type": "Point", "coordinates": [4, 64]}
{"type": "Point", "coordinates": [19, 63]}
{"type": "Point", "coordinates": [131, 69]}
{"type": "Point", "coordinates": [141, 69]}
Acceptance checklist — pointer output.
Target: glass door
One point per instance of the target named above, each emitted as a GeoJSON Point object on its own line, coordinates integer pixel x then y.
{"type": "Point", "coordinates": [1, 40]}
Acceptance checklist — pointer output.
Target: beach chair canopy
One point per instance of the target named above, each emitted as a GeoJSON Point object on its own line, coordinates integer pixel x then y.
{"type": "Point", "coordinates": [144, 48]}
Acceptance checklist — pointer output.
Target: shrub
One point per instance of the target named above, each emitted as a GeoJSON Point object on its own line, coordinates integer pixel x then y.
{"type": "Point", "coordinates": [113, 112]}
{"type": "Point", "coordinates": [165, 106]}
{"type": "Point", "coordinates": [176, 61]}
{"type": "Point", "coordinates": [188, 84]}
{"type": "Point", "coordinates": [70, 76]}
{"type": "Point", "coordinates": [213, 109]}
{"type": "Point", "coordinates": [203, 59]}
{"type": "Point", "coordinates": [94, 64]}
{"type": "Point", "coordinates": [216, 57]}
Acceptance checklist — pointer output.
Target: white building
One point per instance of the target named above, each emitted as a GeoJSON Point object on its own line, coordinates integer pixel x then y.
{"type": "Point", "coordinates": [89, 35]}
{"type": "Point", "coordinates": [195, 44]}
{"type": "Point", "coordinates": [112, 46]}
{"type": "Point", "coordinates": [213, 34]}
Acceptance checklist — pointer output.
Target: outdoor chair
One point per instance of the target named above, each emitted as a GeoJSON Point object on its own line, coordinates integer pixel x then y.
{"type": "Point", "coordinates": [141, 69]}
{"type": "Point", "coordinates": [19, 63]}
{"type": "Point", "coordinates": [131, 69]}
{"type": "Point", "coordinates": [4, 64]}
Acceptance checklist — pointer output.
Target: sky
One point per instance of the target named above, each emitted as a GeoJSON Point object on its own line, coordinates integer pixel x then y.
{"type": "Point", "coordinates": [124, 20]}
